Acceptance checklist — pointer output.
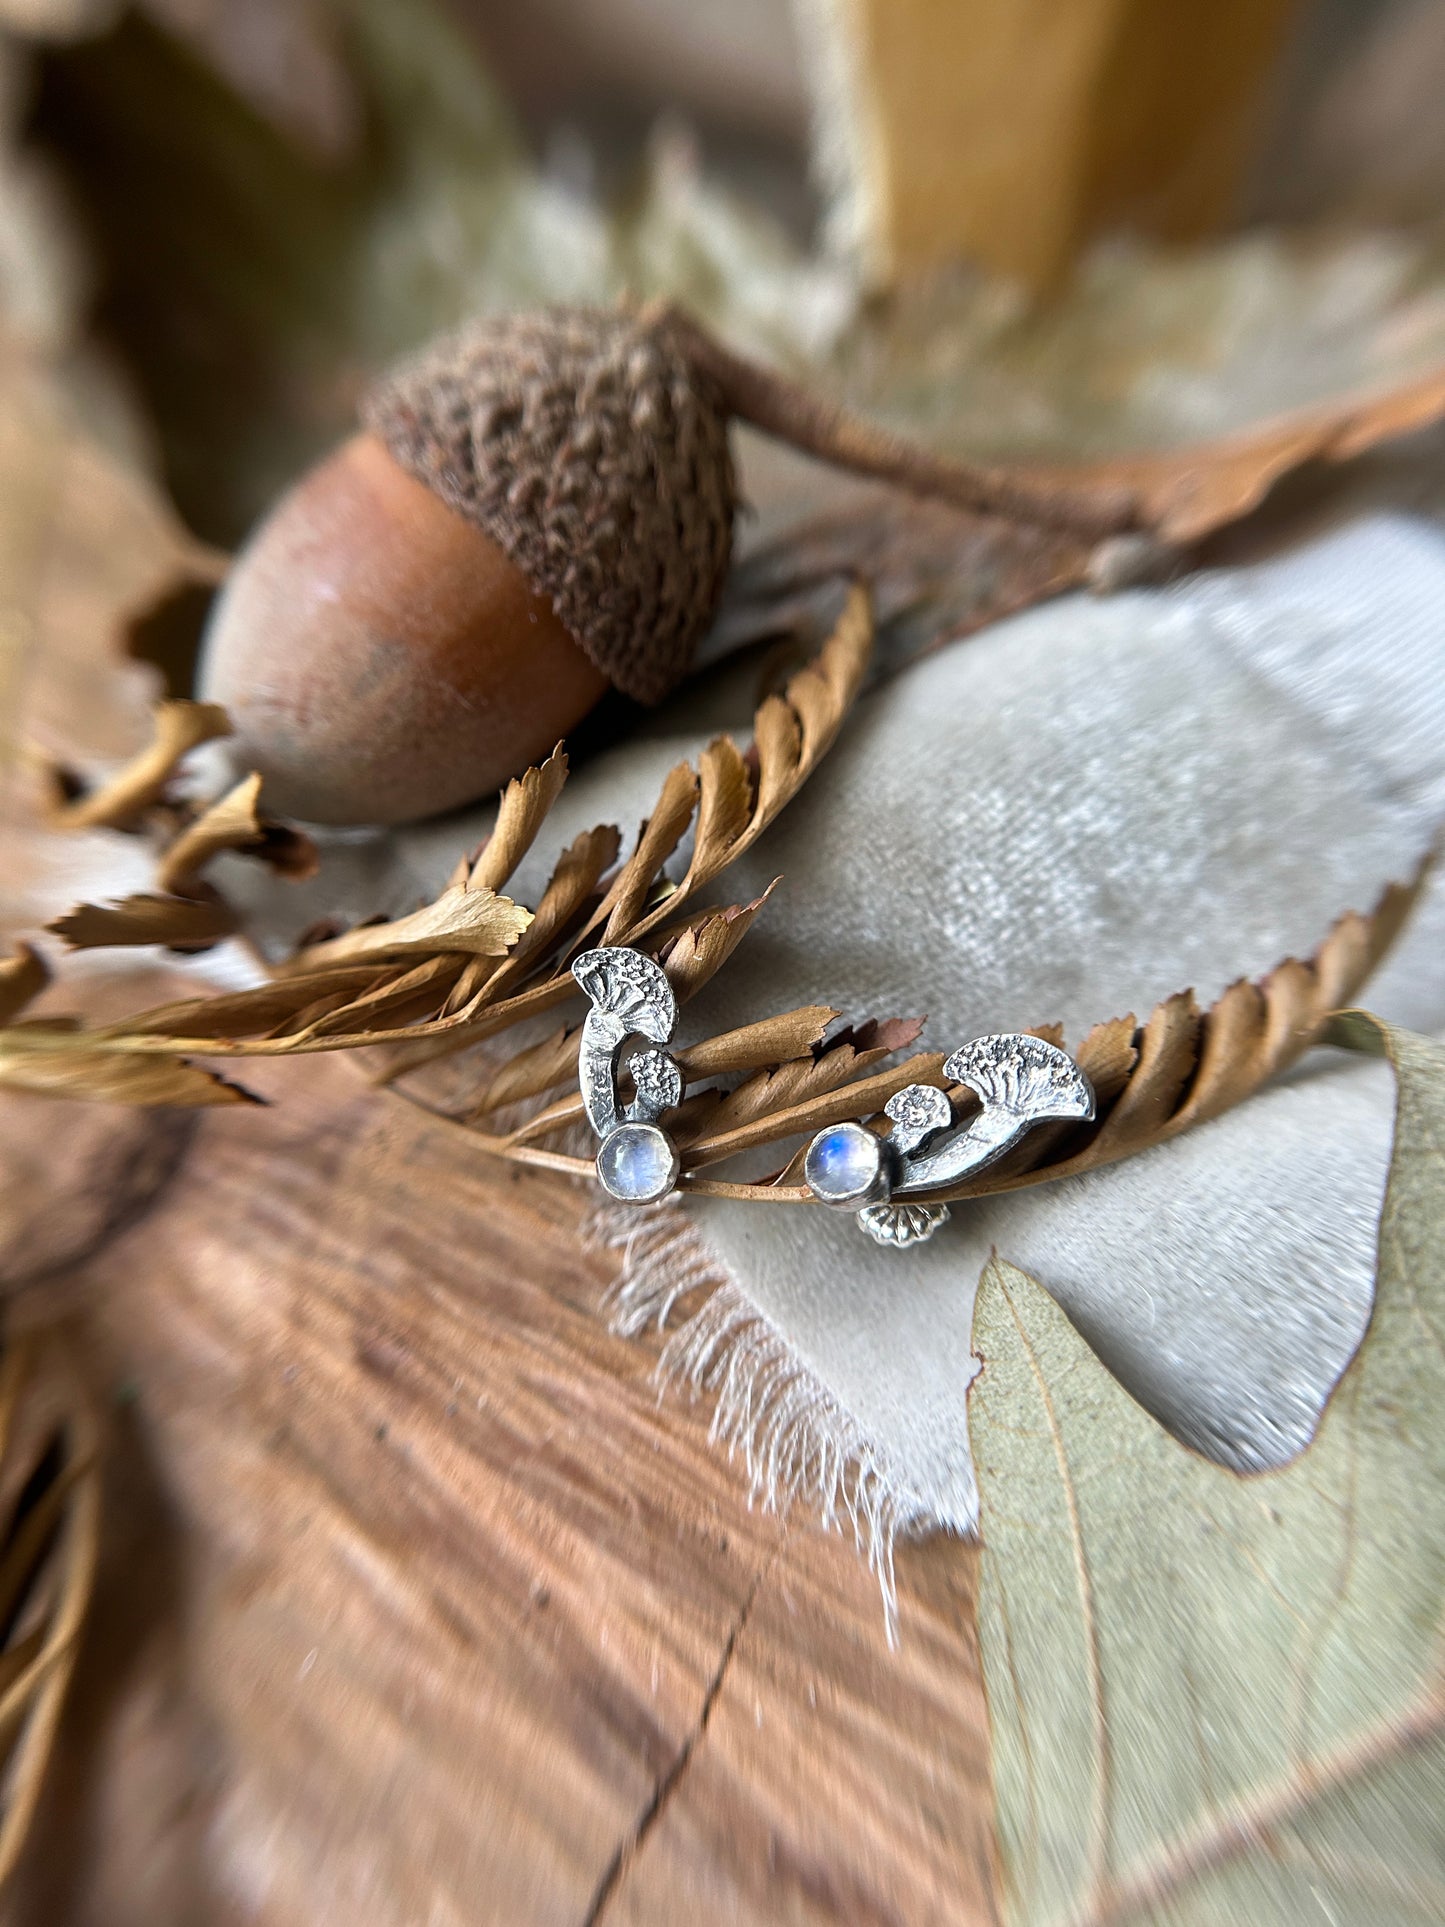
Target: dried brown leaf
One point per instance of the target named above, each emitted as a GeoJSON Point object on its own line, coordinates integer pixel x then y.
{"type": "Point", "coordinates": [541, 1067]}
{"type": "Point", "coordinates": [236, 823]}
{"type": "Point", "coordinates": [62, 1063]}
{"type": "Point", "coordinates": [394, 999]}
{"type": "Point", "coordinates": [772, 1040]}
{"type": "Point", "coordinates": [705, 943]}
{"type": "Point", "coordinates": [23, 975]}
{"type": "Point", "coordinates": [244, 1013]}
{"type": "Point", "coordinates": [1184, 494]}
{"type": "Point", "coordinates": [463, 920]}
{"type": "Point", "coordinates": [814, 1111]}
{"type": "Point", "coordinates": [573, 883]}
{"type": "Point", "coordinates": [180, 727]}
{"type": "Point", "coordinates": [792, 732]}
{"type": "Point", "coordinates": [623, 905]}
{"type": "Point", "coordinates": [785, 1090]}
{"type": "Point", "coordinates": [180, 923]}
{"type": "Point", "coordinates": [526, 802]}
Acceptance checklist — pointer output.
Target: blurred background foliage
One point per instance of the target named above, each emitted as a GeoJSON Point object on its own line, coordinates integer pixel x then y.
{"type": "Point", "coordinates": [220, 220]}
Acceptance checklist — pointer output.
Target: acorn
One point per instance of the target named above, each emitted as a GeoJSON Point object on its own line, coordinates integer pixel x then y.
{"type": "Point", "coordinates": [536, 508]}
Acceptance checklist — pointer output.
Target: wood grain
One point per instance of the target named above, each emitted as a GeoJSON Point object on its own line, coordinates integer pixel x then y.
{"type": "Point", "coordinates": [418, 1605]}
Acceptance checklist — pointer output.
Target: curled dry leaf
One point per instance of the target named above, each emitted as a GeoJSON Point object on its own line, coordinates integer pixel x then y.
{"type": "Point", "coordinates": [1185, 494]}
{"type": "Point", "coordinates": [798, 1087]}
{"type": "Point", "coordinates": [180, 727]}
{"type": "Point", "coordinates": [50, 1496]}
{"type": "Point", "coordinates": [526, 803]}
{"type": "Point", "coordinates": [463, 920]}
{"type": "Point", "coordinates": [180, 923]}
{"type": "Point", "coordinates": [235, 823]}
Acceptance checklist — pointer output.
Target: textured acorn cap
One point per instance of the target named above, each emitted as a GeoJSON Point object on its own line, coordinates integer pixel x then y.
{"type": "Point", "coordinates": [590, 448]}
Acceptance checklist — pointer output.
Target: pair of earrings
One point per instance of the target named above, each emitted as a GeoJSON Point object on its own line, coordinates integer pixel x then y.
{"type": "Point", "coordinates": [1020, 1082]}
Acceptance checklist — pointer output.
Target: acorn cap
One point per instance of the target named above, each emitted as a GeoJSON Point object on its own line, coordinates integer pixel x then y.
{"type": "Point", "coordinates": [590, 448]}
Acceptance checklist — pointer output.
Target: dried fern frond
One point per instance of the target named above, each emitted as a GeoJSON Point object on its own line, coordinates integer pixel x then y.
{"type": "Point", "coordinates": [1181, 1068]}
{"type": "Point", "coordinates": [1186, 1065]}
{"type": "Point", "coordinates": [49, 1530]}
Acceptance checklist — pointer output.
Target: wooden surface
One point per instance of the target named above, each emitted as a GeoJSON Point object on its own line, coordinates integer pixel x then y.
{"type": "Point", "coordinates": [417, 1604]}
{"type": "Point", "coordinates": [417, 1607]}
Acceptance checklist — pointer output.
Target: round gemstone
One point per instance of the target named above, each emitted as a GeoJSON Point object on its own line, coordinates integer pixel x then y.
{"type": "Point", "coordinates": [845, 1165]}
{"type": "Point", "coordinates": [637, 1164]}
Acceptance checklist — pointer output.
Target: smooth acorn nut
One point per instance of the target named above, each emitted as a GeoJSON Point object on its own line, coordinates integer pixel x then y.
{"type": "Point", "coordinates": [538, 507]}
{"type": "Point", "coordinates": [380, 657]}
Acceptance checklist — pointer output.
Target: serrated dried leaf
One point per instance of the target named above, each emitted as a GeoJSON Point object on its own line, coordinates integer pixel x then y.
{"type": "Point", "coordinates": [541, 1067]}
{"type": "Point", "coordinates": [772, 1040]}
{"type": "Point", "coordinates": [579, 871]}
{"type": "Point", "coordinates": [180, 923]}
{"type": "Point", "coordinates": [785, 1087]}
{"type": "Point", "coordinates": [792, 733]}
{"type": "Point", "coordinates": [526, 802]}
{"type": "Point", "coordinates": [236, 823]}
{"type": "Point", "coordinates": [463, 920]}
{"type": "Point", "coordinates": [810, 1114]}
{"type": "Point", "coordinates": [623, 905]}
{"type": "Point", "coordinates": [244, 1013]}
{"type": "Point", "coordinates": [180, 727]}
{"type": "Point", "coordinates": [68, 1066]}
{"type": "Point", "coordinates": [23, 975]}
{"type": "Point", "coordinates": [701, 949]}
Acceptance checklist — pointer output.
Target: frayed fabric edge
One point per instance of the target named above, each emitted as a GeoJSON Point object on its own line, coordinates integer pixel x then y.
{"type": "Point", "coordinates": [795, 1437]}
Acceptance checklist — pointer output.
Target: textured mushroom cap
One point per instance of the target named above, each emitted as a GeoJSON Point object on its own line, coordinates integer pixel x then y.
{"type": "Point", "coordinates": [588, 447]}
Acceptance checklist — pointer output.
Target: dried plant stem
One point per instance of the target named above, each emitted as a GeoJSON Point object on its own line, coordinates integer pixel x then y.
{"type": "Point", "coordinates": [796, 414]}
{"type": "Point", "coordinates": [1153, 1082]}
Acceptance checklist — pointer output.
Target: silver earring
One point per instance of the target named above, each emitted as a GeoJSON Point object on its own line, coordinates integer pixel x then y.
{"type": "Point", "coordinates": [632, 1000]}
{"type": "Point", "coordinates": [1020, 1081]}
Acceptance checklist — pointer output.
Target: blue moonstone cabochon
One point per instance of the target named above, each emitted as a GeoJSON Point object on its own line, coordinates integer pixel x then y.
{"type": "Point", "coordinates": [637, 1164]}
{"type": "Point", "coordinates": [845, 1166]}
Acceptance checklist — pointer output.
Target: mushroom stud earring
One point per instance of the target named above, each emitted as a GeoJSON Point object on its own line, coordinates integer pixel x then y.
{"type": "Point", "coordinates": [633, 1015]}
{"type": "Point", "coordinates": [1020, 1082]}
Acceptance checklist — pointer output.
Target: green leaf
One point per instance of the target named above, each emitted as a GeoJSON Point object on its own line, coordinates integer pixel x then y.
{"type": "Point", "coordinates": [1214, 1698]}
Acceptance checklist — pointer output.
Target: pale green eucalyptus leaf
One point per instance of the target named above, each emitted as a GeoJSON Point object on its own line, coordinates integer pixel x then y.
{"type": "Point", "coordinates": [1216, 1698]}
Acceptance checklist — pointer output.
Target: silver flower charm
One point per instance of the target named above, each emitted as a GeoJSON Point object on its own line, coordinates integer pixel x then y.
{"type": "Point", "coordinates": [633, 1015]}
{"type": "Point", "coordinates": [1020, 1081]}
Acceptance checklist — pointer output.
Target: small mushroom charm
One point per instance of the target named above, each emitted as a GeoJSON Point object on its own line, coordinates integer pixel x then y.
{"type": "Point", "coordinates": [631, 1001]}
{"type": "Point", "coordinates": [1020, 1081]}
